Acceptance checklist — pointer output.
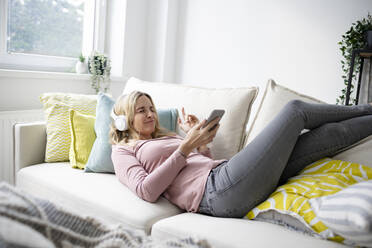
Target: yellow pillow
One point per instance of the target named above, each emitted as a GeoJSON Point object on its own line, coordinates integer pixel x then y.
{"type": "Point", "coordinates": [82, 138]}
{"type": "Point", "coordinates": [56, 109]}
{"type": "Point", "coordinates": [324, 177]}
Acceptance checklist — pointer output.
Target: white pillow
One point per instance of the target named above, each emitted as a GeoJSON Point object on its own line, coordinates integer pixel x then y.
{"type": "Point", "coordinates": [274, 99]}
{"type": "Point", "coordinates": [236, 102]}
{"type": "Point", "coordinates": [348, 213]}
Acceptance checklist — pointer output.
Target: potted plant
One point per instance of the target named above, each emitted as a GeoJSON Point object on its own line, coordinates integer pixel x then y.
{"type": "Point", "coordinates": [99, 65]}
{"type": "Point", "coordinates": [355, 38]}
{"type": "Point", "coordinates": [80, 66]}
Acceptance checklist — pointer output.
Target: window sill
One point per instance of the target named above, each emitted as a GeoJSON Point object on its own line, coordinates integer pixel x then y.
{"type": "Point", "coordinates": [51, 75]}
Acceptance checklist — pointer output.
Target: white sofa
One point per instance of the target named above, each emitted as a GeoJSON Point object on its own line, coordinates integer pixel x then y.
{"type": "Point", "coordinates": [103, 196]}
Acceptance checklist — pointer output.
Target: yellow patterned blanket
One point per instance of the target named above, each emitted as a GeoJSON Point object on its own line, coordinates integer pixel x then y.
{"type": "Point", "coordinates": [324, 177]}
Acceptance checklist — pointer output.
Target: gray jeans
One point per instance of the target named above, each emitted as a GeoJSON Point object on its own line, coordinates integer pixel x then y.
{"type": "Point", "coordinates": [280, 152]}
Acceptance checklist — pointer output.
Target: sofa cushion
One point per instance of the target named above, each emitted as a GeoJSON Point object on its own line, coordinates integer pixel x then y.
{"type": "Point", "coordinates": [236, 102]}
{"type": "Point", "coordinates": [359, 152]}
{"type": "Point", "coordinates": [235, 233]}
{"type": "Point", "coordinates": [100, 156]}
{"type": "Point", "coordinates": [99, 195]}
{"type": "Point", "coordinates": [274, 99]}
{"type": "Point", "coordinates": [321, 178]}
{"type": "Point", "coordinates": [56, 108]}
{"type": "Point", "coordinates": [168, 118]}
{"type": "Point", "coordinates": [82, 138]}
{"type": "Point", "coordinates": [348, 213]}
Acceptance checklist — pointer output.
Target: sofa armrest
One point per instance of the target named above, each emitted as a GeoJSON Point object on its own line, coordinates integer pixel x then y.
{"type": "Point", "coordinates": [29, 144]}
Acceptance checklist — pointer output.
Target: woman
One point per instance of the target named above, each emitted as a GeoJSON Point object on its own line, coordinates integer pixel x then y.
{"type": "Point", "coordinates": [152, 161]}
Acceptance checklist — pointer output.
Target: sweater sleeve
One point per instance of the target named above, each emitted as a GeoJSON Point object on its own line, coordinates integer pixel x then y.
{"type": "Point", "coordinates": [147, 186]}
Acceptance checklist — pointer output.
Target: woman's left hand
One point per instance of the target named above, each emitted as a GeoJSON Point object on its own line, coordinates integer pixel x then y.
{"type": "Point", "coordinates": [189, 121]}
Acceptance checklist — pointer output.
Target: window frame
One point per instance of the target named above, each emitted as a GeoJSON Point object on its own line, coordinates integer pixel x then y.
{"type": "Point", "coordinates": [93, 39]}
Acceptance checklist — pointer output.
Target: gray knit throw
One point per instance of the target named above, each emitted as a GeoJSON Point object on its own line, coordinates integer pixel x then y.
{"type": "Point", "coordinates": [65, 229]}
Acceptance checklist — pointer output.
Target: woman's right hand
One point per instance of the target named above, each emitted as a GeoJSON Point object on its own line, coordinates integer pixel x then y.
{"type": "Point", "coordinates": [189, 121]}
{"type": "Point", "coordinates": [198, 136]}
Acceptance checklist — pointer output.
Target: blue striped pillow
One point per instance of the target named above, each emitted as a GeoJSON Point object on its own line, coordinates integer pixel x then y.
{"type": "Point", "coordinates": [348, 213]}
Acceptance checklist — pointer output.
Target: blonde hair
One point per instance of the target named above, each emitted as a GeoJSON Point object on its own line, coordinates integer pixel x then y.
{"type": "Point", "coordinates": [125, 105]}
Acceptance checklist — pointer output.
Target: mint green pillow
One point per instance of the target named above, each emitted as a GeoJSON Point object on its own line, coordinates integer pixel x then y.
{"type": "Point", "coordinates": [168, 118]}
{"type": "Point", "coordinates": [100, 155]}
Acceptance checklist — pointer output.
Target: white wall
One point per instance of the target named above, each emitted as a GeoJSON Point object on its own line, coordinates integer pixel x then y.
{"type": "Point", "coordinates": [21, 90]}
{"type": "Point", "coordinates": [231, 43]}
{"type": "Point", "coordinates": [212, 43]}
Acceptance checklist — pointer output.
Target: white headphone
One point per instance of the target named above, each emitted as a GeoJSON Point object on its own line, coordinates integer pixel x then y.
{"type": "Point", "coordinates": [120, 121]}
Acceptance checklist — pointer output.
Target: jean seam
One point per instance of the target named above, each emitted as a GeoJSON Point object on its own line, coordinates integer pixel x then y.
{"type": "Point", "coordinates": [321, 150]}
{"type": "Point", "coordinates": [337, 112]}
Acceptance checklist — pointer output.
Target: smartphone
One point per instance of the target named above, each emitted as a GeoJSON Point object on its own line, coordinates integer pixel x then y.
{"type": "Point", "coordinates": [215, 113]}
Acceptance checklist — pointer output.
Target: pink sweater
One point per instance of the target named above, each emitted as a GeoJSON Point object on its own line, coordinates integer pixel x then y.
{"type": "Point", "coordinates": [154, 167]}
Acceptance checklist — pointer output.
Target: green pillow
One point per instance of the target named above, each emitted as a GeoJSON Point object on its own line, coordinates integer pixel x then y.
{"type": "Point", "coordinates": [82, 138]}
{"type": "Point", "coordinates": [100, 157]}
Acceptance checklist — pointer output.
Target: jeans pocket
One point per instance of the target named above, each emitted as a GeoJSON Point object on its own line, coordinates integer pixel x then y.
{"type": "Point", "coordinates": [221, 180]}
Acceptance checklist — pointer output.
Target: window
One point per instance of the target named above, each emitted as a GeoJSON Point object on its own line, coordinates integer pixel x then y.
{"type": "Point", "coordinates": [48, 35]}
{"type": "Point", "coordinates": [45, 27]}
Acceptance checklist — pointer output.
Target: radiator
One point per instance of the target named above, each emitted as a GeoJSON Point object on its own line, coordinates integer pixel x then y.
{"type": "Point", "coordinates": [7, 121]}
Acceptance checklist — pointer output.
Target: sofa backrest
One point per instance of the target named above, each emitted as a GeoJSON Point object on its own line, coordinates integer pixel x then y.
{"type": "Point", "coordinates": [199, 101]}
{"type": "Point", "coordinates": [275, 97]}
